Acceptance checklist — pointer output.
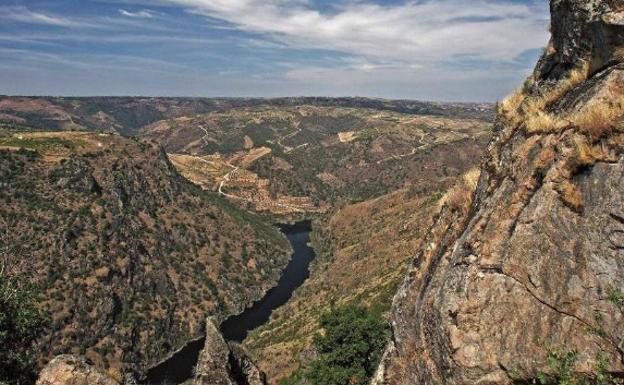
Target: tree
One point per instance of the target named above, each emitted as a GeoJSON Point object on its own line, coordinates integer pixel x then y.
{"type": "Point", "coordinates": [349, 348]}
{"type": "Point", "coordinates": [21, 323]}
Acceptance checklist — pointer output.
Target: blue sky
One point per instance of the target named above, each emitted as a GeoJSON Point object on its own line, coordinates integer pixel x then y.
{"type": "Point", "coordinates": [448, 50]}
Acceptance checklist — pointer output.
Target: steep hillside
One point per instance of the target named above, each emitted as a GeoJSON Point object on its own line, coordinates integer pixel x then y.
{"type": "Point", "coordinates": [363, 250]}
{"type": "Point", "coordinates": [308, 158]}
{"type": "Point", "coordinates": [128, 256]}
{"type": "Point", "coordinates": [526, 286]}
{"type": "Point", "coordinates": [126, 115]}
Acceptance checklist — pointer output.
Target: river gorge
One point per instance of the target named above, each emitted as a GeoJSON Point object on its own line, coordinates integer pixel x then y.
{"type": "Point", "coordinates": [179, 367]}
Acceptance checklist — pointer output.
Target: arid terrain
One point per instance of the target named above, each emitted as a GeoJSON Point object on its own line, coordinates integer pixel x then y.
{"type": "Point", "coordinates": [317, 240]}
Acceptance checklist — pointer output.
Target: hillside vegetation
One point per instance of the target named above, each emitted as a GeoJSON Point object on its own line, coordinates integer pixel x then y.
{"type": "Point", "coordinates": [128, 256]}
{"type": "Point", "coordinates": [126, 115]}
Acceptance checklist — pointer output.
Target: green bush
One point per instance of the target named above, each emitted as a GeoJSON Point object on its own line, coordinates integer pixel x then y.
{"type": "Point", "coordinates": [21, 323]}
{"type": "Point", "coordinates": [349, 348]}
{"type": "Point", "coordinates": [561, 371]}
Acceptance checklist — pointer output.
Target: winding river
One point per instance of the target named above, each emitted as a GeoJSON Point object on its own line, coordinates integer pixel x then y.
{"type": "Point", "coordinates": [179, 367]}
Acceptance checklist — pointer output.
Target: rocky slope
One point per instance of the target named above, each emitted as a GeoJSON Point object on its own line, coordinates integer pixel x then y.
{"type": "Point", "coordinates": [128, 256]}
{"type": "Point", "coordinates": [532, 272]}
{"type": "Point", "coordinates": [70, 370]}
{"type": "Point", "coordinates": [220, 363]}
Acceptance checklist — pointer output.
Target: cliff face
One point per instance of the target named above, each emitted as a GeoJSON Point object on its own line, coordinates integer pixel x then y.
{"type": "Point", "coordinates": [67, 369]}
{"type": "Point", "coordinates": [535, 268]}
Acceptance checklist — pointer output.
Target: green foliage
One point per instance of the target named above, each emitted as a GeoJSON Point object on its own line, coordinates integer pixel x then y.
{"type": "Point", "coordinates": [616, 297]}
{"type": "Point", "coordinates": [294, 379]}
{"type": "Point", "coordinates": [350, 347]}
{"type": "Point", "coordinates": [561, 371]}
{"type": "Point", "coordinates": [21, 323]}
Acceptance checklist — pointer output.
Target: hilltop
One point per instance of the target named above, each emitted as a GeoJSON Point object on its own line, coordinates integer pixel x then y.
{"type": "Point", "coordinates": [126, 115]}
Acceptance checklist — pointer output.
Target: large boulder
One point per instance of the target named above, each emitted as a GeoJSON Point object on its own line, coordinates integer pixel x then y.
{"type": "Point", "coordinates": [534, 270]}
{"type": "Point", "coordinates": [71, 370]}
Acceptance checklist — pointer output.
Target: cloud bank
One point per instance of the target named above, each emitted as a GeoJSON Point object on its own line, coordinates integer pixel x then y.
{"type": "Point", "coordinates": [427, 49]}
{"type": "Point", "coordinates": [414, 32]}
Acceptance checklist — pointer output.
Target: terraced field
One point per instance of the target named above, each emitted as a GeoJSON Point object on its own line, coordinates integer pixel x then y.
{"type": "Point", "coordinates": [307, 159]}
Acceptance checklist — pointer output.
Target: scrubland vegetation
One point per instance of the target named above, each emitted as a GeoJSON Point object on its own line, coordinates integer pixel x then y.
{"type": "Point", "coordinates": [21, 324]}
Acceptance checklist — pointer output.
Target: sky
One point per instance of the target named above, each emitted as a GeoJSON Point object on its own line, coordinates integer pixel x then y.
{"type": "Point", "coordinates": [444, 50]}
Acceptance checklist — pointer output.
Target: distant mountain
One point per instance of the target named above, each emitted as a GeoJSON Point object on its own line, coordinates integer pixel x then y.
{"type": "Point", "coordinates": [128, 256]}
{"type": "Point", "coordinates": [126, 115]}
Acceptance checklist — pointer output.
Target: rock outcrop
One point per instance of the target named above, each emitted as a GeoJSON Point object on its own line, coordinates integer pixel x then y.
{"type": "Point", "coordinates": [221, 363]}
{"type": "Point", "coordinates": [70, 370]}
{"type": "Point", "coordinates": [534, 268]}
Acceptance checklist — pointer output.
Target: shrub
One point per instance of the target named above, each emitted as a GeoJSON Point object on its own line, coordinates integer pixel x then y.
{"type": "Point", "coordinates": [349, 348]}
{"type": "Point", "coordinates": [21, 323]}
{"type": "Point", "coordinates": [561, 371]}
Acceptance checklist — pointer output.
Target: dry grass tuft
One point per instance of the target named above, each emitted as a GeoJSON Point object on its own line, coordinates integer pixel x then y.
{"type": "Point", "coordinates": [544, 159]}
{"type": "Point", "coordinates": [509, 108]}
{"type": "Point", "coordinates": [543, 122]}
{"type": "Point", "coordinates": [601, 117]}
{"type": "Point", "coordinates": [585, 154]}
{"type": "Point", "coordinates": [519, 108]}
{"type": "Point", "coordinates": [460, 197]}
{"type": "Point", "coordinates": [571, 195]}
{"type": "Point", "coordinates": [576, 76]}
{"type": "Point", "coordinates": [598, 119]}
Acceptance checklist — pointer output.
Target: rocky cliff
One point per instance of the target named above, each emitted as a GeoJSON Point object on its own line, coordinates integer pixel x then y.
{"type": "Point", "coordinates": [525, 282]}
{"type": "Point", "coordinates": [70, 370]}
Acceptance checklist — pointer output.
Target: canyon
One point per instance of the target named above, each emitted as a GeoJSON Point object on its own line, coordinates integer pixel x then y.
{"type": "Point", "coordinates": [488, 237]}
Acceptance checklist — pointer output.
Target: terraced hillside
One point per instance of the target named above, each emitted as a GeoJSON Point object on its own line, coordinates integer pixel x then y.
{"type": "Point", "coordinates": [128, 257]}
{"type": "Point", "coordinates": [309, 159]}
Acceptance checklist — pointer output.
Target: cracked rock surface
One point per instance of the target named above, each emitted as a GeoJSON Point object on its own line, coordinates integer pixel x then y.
{"type": "Point", "coordinates": [70, 370]}
{"type": "Point", "coordinates": [527, 271]}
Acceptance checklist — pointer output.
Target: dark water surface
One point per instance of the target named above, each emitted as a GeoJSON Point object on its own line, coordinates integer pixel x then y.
{"type": "Point", "coordinates": [179, 367]}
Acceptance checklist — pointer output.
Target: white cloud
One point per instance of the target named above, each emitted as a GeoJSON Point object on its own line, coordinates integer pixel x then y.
{"type": "Point", "coordinates": [414, 32]}
{"type": "Point", "coordinates": [25, 15]}
{"type": "Point", "coordinates": [143, 14]}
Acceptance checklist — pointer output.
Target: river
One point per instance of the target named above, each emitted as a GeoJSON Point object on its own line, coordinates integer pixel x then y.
{"type": "Point", "coordinates": [179, 367]}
